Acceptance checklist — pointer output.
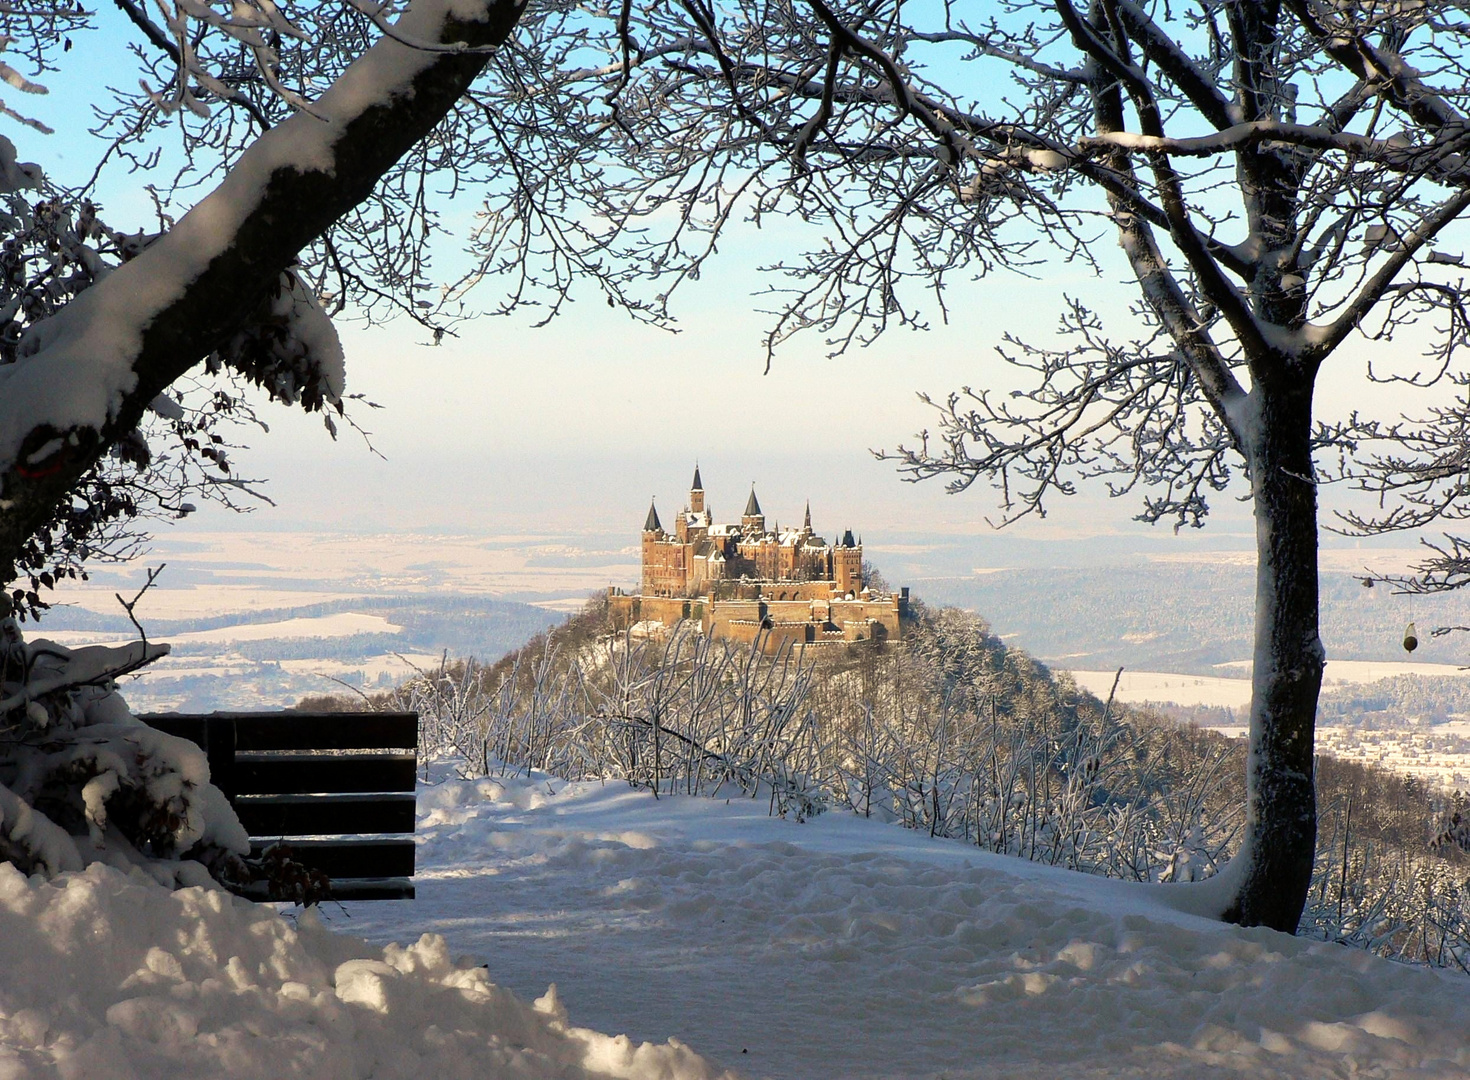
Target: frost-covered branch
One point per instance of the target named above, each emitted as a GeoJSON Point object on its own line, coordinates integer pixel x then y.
{"type": "Point", "coordinates": [1130, 412]}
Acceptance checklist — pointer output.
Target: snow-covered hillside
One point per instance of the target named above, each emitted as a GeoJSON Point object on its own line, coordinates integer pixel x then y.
{"type": "Point", "coordinates": [827, 949]}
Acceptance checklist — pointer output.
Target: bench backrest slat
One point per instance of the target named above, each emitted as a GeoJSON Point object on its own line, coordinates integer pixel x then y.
{"type": "Point", "coordinates": [293, 730]}
{"type": "Point", "coordinates": [305, 774]}
{"type": "Point", "coordinates": [354, 858]}
{"type": "Point", "coordinates": [316, 815]}
{"type": "Point", "coordinates": [374, 888]}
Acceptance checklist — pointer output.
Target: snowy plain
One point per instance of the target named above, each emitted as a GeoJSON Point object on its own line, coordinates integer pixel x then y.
{"type": "Point", "coordinates": [711, 935]}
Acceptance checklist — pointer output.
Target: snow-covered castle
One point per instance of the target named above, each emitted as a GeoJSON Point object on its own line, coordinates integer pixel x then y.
{"type": "Point", "coordinates": [747, 581]}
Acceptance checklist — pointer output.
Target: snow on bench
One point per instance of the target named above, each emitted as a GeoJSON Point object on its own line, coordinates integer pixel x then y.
{"type": "Point", "coordinates": [338, 788]}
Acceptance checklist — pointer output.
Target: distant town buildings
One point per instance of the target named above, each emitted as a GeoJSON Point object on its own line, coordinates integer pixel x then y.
{"type": "Point", "coordinates": [746, 581]}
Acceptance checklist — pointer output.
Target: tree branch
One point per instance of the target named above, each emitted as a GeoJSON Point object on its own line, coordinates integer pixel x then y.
{"type": "Point", "coordinates": [131, 335]}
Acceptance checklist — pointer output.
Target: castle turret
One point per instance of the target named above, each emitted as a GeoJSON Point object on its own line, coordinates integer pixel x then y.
{"type": "Point", "coordinates": [651, 523]}
{"type": "Point", "coordinates": [806, 525]}
{"type": "Point", "coordinates": [696, 493]}
{"type": "Point", "coordinates": [753, 520]}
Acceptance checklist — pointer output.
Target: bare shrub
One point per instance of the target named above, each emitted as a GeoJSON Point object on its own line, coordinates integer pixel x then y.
{"type": "Point", "coordinates": [948, 731]}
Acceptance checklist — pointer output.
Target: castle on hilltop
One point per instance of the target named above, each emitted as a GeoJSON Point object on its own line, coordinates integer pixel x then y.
{"type": "Point", "coordinates": [746, 581]}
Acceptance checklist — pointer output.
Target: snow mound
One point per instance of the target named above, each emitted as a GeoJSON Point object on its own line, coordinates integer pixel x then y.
{"type": "Point", "coordinates": [111, 977]}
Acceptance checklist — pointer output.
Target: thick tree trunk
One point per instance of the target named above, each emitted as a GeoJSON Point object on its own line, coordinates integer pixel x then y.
{"type": "Point", "coordinates": [1281, 804]}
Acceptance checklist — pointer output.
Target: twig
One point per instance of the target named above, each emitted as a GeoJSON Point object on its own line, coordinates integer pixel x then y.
{"type": "Point", "coordinates": [348, 686]}
{"type": "Point", "coordinates": [128, 605]}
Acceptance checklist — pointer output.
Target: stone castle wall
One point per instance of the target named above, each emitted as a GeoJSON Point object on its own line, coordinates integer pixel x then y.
{"type": "Point", "coordinates": [774, 622]}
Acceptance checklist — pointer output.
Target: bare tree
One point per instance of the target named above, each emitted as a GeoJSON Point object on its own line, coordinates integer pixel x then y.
{"type": "Point", "coordinates": [1282, 177]}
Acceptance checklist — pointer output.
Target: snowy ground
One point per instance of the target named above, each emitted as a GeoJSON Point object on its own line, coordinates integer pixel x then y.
{"type": "Point", "coordinates": [844, 948]}
{"type": "Point", "coordinates": [712, 935]}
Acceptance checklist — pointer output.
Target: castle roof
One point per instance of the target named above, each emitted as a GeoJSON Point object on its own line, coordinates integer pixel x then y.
{"type": "Point", "coordinates": [698, 484]}
{"type": "Point", "coordinates": [847, 540]}
{"type": "Point", "coordinates": [652, 523]}
{"type": "Point", "coordinates": [807, 524]}
{"type": "Point", "coordinates": [752, 506]}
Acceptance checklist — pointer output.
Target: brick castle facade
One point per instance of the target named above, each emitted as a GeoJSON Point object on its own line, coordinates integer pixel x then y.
{"type": "Point", "coordinates": [746, 581]}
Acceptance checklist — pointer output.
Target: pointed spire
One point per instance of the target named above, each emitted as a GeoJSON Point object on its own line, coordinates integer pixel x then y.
{"type": "Point", "coordinates": [652, 523]}
{"type": "Point", "coordinates": [696, 493]}
{"type": "Point", "coordinates": [807, 524]}
{"type": "Point", "coordinates": [847, 540]}
{"type": "Point", "coordinates": [752, 506]}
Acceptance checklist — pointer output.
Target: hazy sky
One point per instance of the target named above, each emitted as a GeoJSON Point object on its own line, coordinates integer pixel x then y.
{"type": "Point", "coordinates": [578, 424]}
{"type": "Point", "coordinates": [514, 427]}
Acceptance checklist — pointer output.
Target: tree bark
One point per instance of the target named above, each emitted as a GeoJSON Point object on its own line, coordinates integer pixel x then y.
{"type": "Point", "coordinates": [1281, 805]}
{"type": "Point", "coordinates": [296, 206]}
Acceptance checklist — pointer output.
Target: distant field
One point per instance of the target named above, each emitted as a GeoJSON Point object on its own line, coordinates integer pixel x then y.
{"type": "Point", "coordinates": [1362, 671]}
{"type": "Point", "coordinates": [273, 658]}
{"type": "Point", "coordinates": [1138, 687]}
{"type": "Point", "coordinates": [1185, 616]}
{"type": "Point", "coordinates": [220, 572]}
{"type": "Point", "coordinates": [341, 624]}
{"type": "Point", "coordinates": [1408, 717]}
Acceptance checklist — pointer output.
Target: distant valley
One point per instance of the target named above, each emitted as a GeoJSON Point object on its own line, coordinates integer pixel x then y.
{"type": "Point", "coordinates": [274, 658]}
{"type": "Point", "coordinates": [263, 619]}
{"type": "Point", "coordinates": [1191, 616]}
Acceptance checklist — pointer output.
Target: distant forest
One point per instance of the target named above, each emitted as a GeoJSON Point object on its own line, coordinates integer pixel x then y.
{"type": "Point", "coordinates": [1402, 700]}
{"type": "Point", "coordinates": [1188, 617]}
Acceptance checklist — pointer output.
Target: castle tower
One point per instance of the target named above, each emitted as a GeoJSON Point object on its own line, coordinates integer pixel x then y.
{"type": "Point", "coordinates": [696, 492]}
{"type": "Point", "coordinates": [653, 534]}
{"type": "Point", "coordinates": [753, 520]}
{"type": "Point", "coordinates": [806, 525]}
{"type": "Point", "coordinates": [847, 565]}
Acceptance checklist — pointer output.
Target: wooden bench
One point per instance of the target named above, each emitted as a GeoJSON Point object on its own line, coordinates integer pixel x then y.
{"type": "Point", "coordinates": [337, 787]}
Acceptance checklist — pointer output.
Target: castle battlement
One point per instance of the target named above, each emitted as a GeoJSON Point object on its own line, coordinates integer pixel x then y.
{"type": "Point", "coordinates": [742, 581]}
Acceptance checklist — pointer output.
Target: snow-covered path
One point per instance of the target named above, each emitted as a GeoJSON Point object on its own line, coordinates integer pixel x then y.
{"type": "Point", "coordinates": [843, 948]}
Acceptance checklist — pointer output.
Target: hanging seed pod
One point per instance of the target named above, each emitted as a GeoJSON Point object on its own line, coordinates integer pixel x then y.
{"type": "Point", "coordinates": [1411, 638]}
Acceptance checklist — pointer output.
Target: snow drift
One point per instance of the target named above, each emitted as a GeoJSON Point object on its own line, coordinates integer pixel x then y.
{"type": "Point", "coordinates": [109, 976]}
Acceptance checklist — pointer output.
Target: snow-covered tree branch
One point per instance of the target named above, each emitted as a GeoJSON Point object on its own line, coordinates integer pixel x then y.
{"type": "Point", "coordinates": [83, 377]}
{"type": "Point", "coordinates": [101, 330]}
